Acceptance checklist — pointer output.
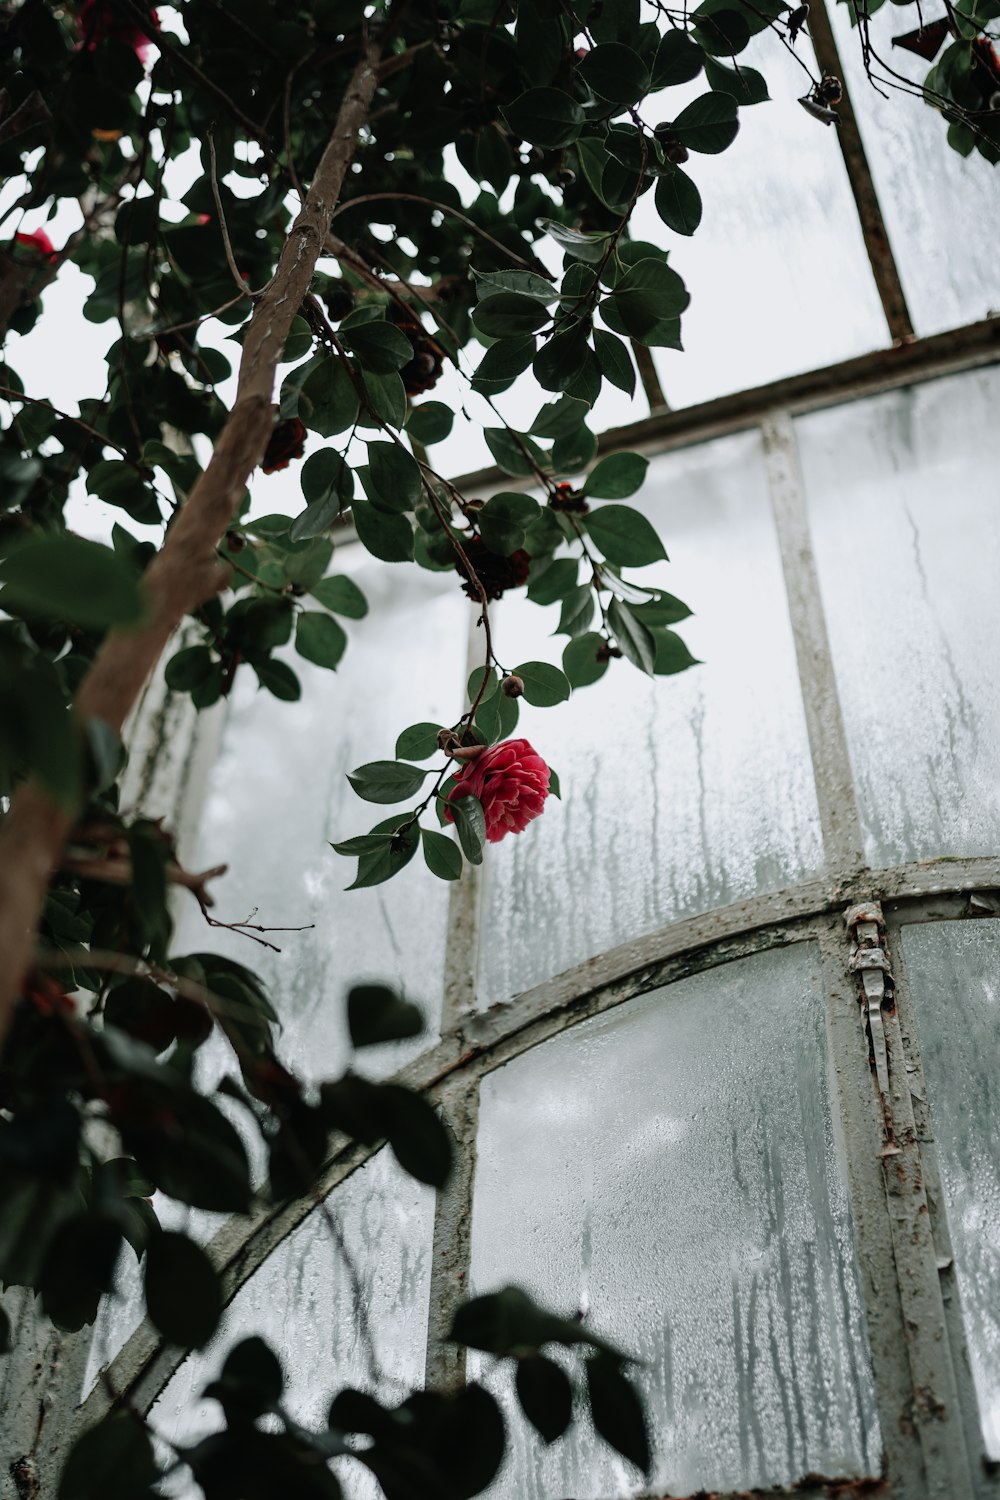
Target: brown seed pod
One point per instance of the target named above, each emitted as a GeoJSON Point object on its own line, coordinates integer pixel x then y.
{"type": "Point", "coordinates": [512, 687]}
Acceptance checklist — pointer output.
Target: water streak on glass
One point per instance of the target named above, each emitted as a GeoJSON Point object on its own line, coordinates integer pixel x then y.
{"type": "Point", "coordinates": [670, 1170]}
{"type": "Point", "coordinates": [679, 793]}
{"type": "Point", "coordinates": [906, 531]}
{"type": "Point", "coordinates": [777, 270]}
{"type": "Point", "coordinates": [277, 795]}
{"type": "Point", "coordinates": [304, 1303]}
{"type": "Point", "coordinates": [954, 975]}
{"type": "Point", "coordinates": [942, 212]}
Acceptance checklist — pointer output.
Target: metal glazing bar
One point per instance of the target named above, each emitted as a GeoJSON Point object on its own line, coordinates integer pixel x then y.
{"type": "Point", "coordinates": [883, 263]}
{"type": "Point", "coordinates": [486, 1041]}
{"type": "Point", "coordinates": [947, 353]}
{"type": "Point", "coordinates": [464, 896]}
{"type": "Point", "coordinates": [838, 812]}
{"type": "Point", "coordinates": [451, 1255]}
{"type": "Point", "coordinates": [649, 377]}
{"type": "Point", "coordinates": [934, 1411]}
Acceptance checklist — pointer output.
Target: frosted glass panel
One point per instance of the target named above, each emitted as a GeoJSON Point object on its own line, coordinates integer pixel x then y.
{"type": "Point", "coordinates": [680, 793]}
{"type": "Point", "coordinates": [954, 974]}
{"type": "Point", "coordinates": [303, 1302]}
{"type": "Point", "coordinates": [778, 274]}
{"type": "Point", "coordinates": [942, 212]}
{"type": "Point", "coordinates": [903, 508]}
{"type": "Point", "coordinates": [670, 1169]}
{"type": "Point", "coordinates": [278, 794]}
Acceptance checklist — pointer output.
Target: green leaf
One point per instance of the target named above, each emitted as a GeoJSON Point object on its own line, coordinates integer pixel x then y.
{"type": "Point", "coordinates": [635, 639]}
{"type": "Point", "coordinates": [328, 403]}
{"type": "Point", "coordinates": [112, 1461]}
{"type": "Point", "coordinates": [661, 609]}
{"type": "Point", "coordinates": [393, 477]}
{"type": "Point", "coordinates": [394, 851]}
{"type": "Point", "coordinates": [577, 611]}
{"type": "Point", "coordinates": [615, 360]}
{"type": "Point", "coordinates": [386, 536]}
{"type": "Point", "coordinates": [526, 282]}
{"type": "Point", "coordinates": [386, 780]}
{"type": "Point", "coordinates": [476, 677]}
{"type": "Point", "coordinates": [544, 685]}
{"type": "Point", "coordinates": [555, 582]}
{"type": "Point", "coordinates": [672, 655]}
{"type": "Point", "coordinates": [251, 1382]}
{"type": "Point", "coordinates": [279, 679]}
{"type": "Point", "coordinates": [545, 1394]}
{"type": "Point", "coordinates": [707, 125]}
{"type": "Point", "coordinates": [510, 1322]}
{"type": "Point", "coordinates": [616, 477]}
{"type": "Point", "coordinates": [419, 742]}
{"type": "Point", "coordinates": [582, 246]}
{"type": "Point", "coordinates": [376, 1014]}
{"type": "Point", "coordinates": [502, 363]}
{"type": "Point", "coordinates": [560, 418]}
{"type": "Point", "coordinates": [187, 668]}
{"type": "Point", "coordinates": [430, 422]}
{"type": "Point", "coordinates": [581, 661]}
{"type": "Point", "coordinates": [320, 639]}
{"type": "Point", "coordinates": [625, 536]}
{"type": "Point", "coordinates": [746, 85]}
{"type": "Point", "coordinates": [504, 520]}
{"type": "Point", "coordinates": [419, 1141]}
{"type": "Point", "coordinates": [721, 32]}
{"type": "Point", "coordinates": [298, 343]}
{"type": "Point", "coordinates": [471, 825]}
{"type": "Point", "coordinates": [617, 1411]}
{"type": "Point", "coordinates": [504, 315]}
{"type": "Point", "coordinates": [442, 854]}
{"type": "Point", "coordinates": [649, 294]}
{"type": "Point", "coordinates": [511, 450]}
{"type": "Point", "coordinates": [615, 72]}
{"type": "Point", "coordinates": [379, 345]}
{"type": "Point", "coordinates": [545, 117]}
{"type": "Point", "coordinates": [387, 395]}
{"type": "Point", "coordinates": [572, 454]}
{"type": "Point", "coordinates": [678, 60]}
{"type": "Point", "coordinates": [342, 595]}
{"type": "Point", "coordinates": [69, 579]}
{"type": "Point", "coordinates": [183, 1291]}
{"type": "Point", "coordinates": [328, 486]}
{"type": "Point", "coordinates": [678, 201]}
{"type": "Point", "coordinates": [496, 718]}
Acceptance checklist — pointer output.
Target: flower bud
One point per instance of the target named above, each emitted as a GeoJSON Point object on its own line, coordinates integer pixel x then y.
{"type": "Point", "coordinates": [447, 740]}
{"type": "Point", "coordinates": [512, 687]}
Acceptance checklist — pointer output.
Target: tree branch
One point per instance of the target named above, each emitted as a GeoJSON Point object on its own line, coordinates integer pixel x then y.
{"type": "Point", "coordinates": [186, 571]}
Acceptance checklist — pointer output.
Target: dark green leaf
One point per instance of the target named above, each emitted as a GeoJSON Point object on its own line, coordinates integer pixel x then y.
{"type": "Point", "coordinates": [678, 201]}
{"type": "Point", "coordinates": [722, 33]}
{"type": "Point", "coordinates": [251, 1382]}
{"type": "Point", "coordinates": [393, 477]}
{"type": "Point", "coordinates": [471, 825]}
{"type": "Point", "coordinates": [279, 679]}
{"type": "Point", "coordinates": [585, 660]}
{"type": "Point", "coordinates": [560, 418]}
{"type": "Point", "coordinates": [70, 579]}
{"type": "Point", "coordinates": [661, 609]}
{"type": "Point", "coordinates": [505, 315]}
{"type": "Point", "coordinates": [319, 639]}
{"type": "Point", "coordinates": [419, 742]}
{"type": "Point", "coordinates": [377, 1014]}
{"type": "Point", "coordinates": [746, 85]}
{"type": "Point", "coordinates": [577, 611]}
{"type": "Point", "coordinates": [112, 1461]}
{"type": "Point", "coordinates": [545, 1394]}
{"type": "Point", "coordinates": [678, 60]}
{"type": "Point", "coordinates": [393, 852]}
{"type": "Point", "coordinates": [342, 596]}
{"type": "Point", "coordinates": [615, 361]}
{"type": "Point", "coordinates": [386, 536]}
{"type": "Point", "coordinates": [526, 282]}
{"type": "Point", "coordinates": [328, 486]}
{"type": "Point", "coordinates": [379, 345]}
{"type": "Point", "coordinates": [387, 780]}
{"type": "Point", "coordinates": [617, 1411]}
{"type": "Point", "coordinates": [419, 1141]}
{"type": "Point", "coordinates": [634, 638]}
{"type": "Point", "coordinates": [555, 582]}
{"type": "Point", "coordinates": [544, 685]}
{"type": "Point", "coordinates": [515, 453]}
{"type": "Point", "coordinates": [430, 422]}
{"type": "Point", "coordinates": [387, 396]}
{"type": "Point", "coordinates": [545, 117]}
{"type": "Point", "coordinates": [616, 477]}
{"type": "Point", "coordinates": [187, 668]}
{"type": "Point", "coordinates": [183, 1291]}
{"type": "Point", "coordinates": [672, 655]}
{"type": "Point", "coordinates": [502, 363]}
{"type": "Point", "coordinates": [649, 294]}
{"type": "Point", "coordinates": [328, 403]}
{"type": "Point", "coordinates": [475, 679]}
{"type": "Point", "coordinates": [590, 247]}
{"type": "Point", "coordinates": [442, 854]}
{"type": "Point", "coordinates": [625, 536]}
{"type": "Point", "coordinates": [615, 72]}
{"type": "Point", "coordinates": [510, 1322]}
{"type": "Point", "coordinates": [708, 125]}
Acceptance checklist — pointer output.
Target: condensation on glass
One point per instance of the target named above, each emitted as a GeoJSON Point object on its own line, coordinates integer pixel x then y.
{"type": "Point", "coordinates": [942, 213]}
{"type": "Point", "coordinates": [954, 976]}
{"type": "Point", "coordinates": [670, 1169]}
{"type": "Point", "coordinates": [343, 1302]}
{"type": "Point", "coordinates": [278, 795]}
{"type": "Point", "coordinates": [779, 278]}
{"type": "Point", "coordinates": [902, 494]}
{"type": "Point", "coordinates": [681, 793]}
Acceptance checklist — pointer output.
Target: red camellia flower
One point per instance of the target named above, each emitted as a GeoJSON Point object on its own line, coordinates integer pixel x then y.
{"type": "Point", "coordinates": [287, 441]}
{"type": "Point", "coordinates": [38, 240]}
{"type": "Point", "coordinates": [512, 783]}
{"type": "Point", "coordinates": [97, 19]}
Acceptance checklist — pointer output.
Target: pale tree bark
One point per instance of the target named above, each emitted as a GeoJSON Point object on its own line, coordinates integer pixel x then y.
{"type": "Point", "coordinates": [187, 570]}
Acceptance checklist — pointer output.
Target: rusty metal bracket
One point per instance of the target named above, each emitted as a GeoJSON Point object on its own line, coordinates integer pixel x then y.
{"type": "Point", "coordinates": [869, 959]}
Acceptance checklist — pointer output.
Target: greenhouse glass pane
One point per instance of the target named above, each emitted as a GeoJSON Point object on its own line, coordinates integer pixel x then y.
{"type": "Point", "coordinates": [304, 1301]}
{"type": "Point", "coordinates": [778, 273]}
{"type": "Point", "coordinates": [942, 212]}
{"type": "Point", "coordinates": [679, 793]}
{"type": "Point", "coordinates": [278, 794]}
{"type": "Point", "coordinates": [902, 505]}
{"type": "Point", "coordinates": [670, 1170]}
{"type": "Point", "coordinates": [954, 975]}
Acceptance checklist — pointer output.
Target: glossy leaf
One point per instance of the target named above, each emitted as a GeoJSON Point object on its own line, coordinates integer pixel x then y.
{"type": "Point", "coordinates": [376, 1014]}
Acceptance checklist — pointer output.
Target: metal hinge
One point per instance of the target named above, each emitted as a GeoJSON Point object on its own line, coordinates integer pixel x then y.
{"type": "Point", "coordinates": [870, 961]}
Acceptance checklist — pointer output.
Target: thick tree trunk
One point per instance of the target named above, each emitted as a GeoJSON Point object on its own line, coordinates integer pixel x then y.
{"type": "Point", "coordinates": [186, 571]}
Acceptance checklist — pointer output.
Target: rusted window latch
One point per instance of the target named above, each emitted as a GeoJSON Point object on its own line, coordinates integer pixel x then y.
{"type": "Point", "coordinates": [869, 959]}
